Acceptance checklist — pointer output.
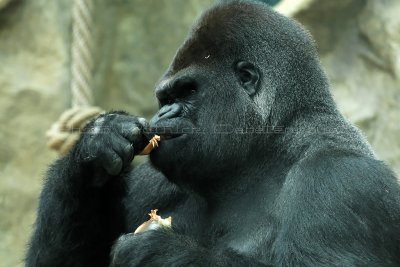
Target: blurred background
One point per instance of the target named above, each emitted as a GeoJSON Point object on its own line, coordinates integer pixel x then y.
{"type": "Point", "coordinates": [134, 41]}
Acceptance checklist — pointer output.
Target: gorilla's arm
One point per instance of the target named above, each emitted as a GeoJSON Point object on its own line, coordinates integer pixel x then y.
{"type": "Point", "coordinates": [149, 189]}
{"type": "Point", "coordinates": [76, 223]}
{"type": "Point", "coordinates": [167, 248]}
{"type": "Point", "coordinates": [81, 210]}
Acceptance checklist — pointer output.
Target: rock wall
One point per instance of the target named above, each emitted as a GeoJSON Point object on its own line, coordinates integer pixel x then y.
{"type": "Point", "coordinates": [359, 45]}
{"type": "Point", "coordinates": [33, 86]}
{"type": "Point", "coordinates": [135, 41]}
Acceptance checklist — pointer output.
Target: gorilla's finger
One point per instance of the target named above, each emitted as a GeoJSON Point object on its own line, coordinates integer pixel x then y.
{"type": "Point", "coordinates": [130, 131]}
{"type": "Point", "coordinates": [112, 163]}
{"type": "Point", "coordinates": [129, 154]}
{"type": "Point", "coordinates": [124, 149]}
{"type": "Point", "coordinates": [135, 134]}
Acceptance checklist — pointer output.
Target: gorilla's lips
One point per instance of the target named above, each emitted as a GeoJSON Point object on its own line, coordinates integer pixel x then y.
{"type": "Point", "coordinates": [173, 136]}
{"type": "Point", "coordinates": [169, 136]}
{"type": "Point", "coordinates": [166, 131]}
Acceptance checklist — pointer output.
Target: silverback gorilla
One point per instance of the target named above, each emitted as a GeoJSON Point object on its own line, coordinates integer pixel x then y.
{"type": "Point", "coordinates": [256, 166]}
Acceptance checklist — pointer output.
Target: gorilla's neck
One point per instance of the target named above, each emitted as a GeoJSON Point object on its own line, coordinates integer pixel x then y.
{"type": "Point", "coordinates": [233, 183]}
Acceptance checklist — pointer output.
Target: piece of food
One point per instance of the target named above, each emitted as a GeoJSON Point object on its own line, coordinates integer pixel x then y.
{"type": "Point", "coordinates": [154, 222]}
{"type": "Point", "coordinates": [151, 145]}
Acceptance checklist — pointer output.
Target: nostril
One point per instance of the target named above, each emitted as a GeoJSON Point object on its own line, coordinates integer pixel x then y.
{"type": "Point", "coordinates": [168, 112]}
{"type": "Point", "coordinates": [164, 110]}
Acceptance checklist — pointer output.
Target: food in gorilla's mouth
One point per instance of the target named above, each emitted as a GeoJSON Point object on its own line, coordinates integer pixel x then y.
{"type": "Point", "coordinates": [154, 222]}
{"type": "Point", "coordinates": [151, 145]}
{"type": "Point", "coordinates": [154, 142]}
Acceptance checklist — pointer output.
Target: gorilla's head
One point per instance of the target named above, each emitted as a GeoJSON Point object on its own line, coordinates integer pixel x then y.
{"type": "Point", "coordinates": [243, 68]}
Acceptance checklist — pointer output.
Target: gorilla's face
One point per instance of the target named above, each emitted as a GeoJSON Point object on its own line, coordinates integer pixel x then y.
{"type": "Point", "coordinates": [201, 107]}
{"type": "Point", "coordinates": [221, 83]}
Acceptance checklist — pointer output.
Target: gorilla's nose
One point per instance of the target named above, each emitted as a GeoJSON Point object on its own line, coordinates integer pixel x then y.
{"type": "Point", "coordinates": [167, 112]}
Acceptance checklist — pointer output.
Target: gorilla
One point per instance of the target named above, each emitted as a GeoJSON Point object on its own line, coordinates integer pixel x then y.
{"type": "Point", "coordinates": [256, 165]}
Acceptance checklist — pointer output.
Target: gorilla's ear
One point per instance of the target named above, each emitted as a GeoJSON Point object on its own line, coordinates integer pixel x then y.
{"type": "Point", "coordinates": [248, 75]}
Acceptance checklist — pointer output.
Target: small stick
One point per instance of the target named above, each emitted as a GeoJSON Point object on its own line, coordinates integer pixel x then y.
{"type": "Point", "coordinates": [151, 145]}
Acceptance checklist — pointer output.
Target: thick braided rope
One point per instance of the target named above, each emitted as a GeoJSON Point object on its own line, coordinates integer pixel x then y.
{"type": "Point", "coordinates": [66, 131]}
{"type": "Point", "coordinates": [82, 56]}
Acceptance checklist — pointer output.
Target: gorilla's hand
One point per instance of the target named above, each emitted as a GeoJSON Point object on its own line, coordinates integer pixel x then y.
{"type": "Point", "coordinates": [110, 142]}
{"type": "Point", "coordinates": [161, 247]}
{"type": "Point", "coordinates": [164, 247]}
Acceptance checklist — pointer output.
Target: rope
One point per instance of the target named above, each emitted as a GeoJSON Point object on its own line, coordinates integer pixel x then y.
{"type": "Point", "coordinates": [82, 57]}
{"type": "Point", "coordinates": [64, 133]}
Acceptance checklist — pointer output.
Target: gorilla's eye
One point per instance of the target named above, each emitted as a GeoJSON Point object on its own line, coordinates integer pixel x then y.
{"type": "Point", "coordinates": [180, 88]}
{"type": "Point", "coordinates": [184, 87]}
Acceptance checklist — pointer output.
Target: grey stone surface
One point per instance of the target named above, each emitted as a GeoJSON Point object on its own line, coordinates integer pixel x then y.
{"type": "Point", "coordinates": [33, 79]}
{"type": "Point", "coordinates": [135, 41]}
{"type": "Point", "coordinates": [359, 44]}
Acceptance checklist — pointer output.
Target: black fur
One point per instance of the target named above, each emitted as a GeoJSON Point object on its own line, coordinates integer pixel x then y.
{"type": "Point", "coordinates": [259, 169]}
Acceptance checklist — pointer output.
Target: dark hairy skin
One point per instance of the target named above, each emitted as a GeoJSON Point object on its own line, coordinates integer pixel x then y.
{"type": "Point", "coordinates": [256, 166]}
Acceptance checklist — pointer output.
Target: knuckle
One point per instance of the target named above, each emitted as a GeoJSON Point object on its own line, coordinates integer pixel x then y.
{"type": "Point", "coordinates": [143, 122]}
{"type": "Point", "coordinates": [135, 130]}
{"type": "Point", "coordinates": [116, 161]}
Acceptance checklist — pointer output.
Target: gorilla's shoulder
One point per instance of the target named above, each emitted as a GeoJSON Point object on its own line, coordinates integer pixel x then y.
{"type": "Point", "coordinates": [344, 170]}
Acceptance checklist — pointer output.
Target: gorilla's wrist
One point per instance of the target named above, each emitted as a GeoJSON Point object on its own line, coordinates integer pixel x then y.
{"type": "Point", "coordinates": [81, 175]}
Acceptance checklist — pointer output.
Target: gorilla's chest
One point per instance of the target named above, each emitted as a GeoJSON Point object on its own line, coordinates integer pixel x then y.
{"type": "Point", "coordinates": [244, 225]}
